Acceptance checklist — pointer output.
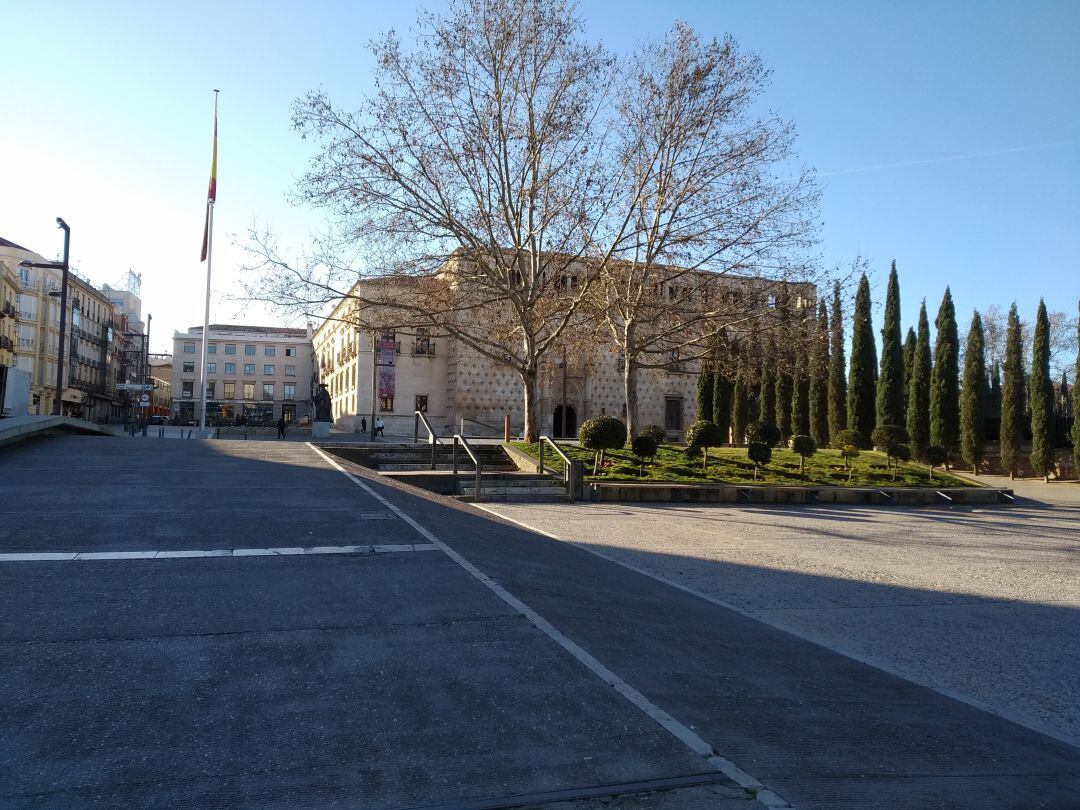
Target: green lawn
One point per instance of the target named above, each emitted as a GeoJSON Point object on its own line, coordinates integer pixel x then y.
{"type": "Point", "coordinates": [729, 465]}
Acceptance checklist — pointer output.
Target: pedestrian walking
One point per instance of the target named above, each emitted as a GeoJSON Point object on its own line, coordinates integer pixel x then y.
{"type": "Point", "coordinates": [363, 424]}
{"type": "Point", "coordinates": [379, 426]}
{"type": "Point", "coordinates": [281, 428]}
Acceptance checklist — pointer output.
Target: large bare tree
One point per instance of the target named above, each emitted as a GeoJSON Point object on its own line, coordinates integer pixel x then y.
{"type": "Point", "coordinates": [479, 169]}
{"type": "Point", "coordinates": [715, 232]}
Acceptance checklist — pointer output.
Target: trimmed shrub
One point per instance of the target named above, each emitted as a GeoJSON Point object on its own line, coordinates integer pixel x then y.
{"type": "Point", "coordinates": [849, 452]}
{"type": "Point", "coordinates": [804, 446]}
{"type": "Point", "coordinates": [644, 446]}
{"type": "Point", "coordinates": [845, 437]}
{"type": "Point", "coordinates": [762, 432]}
{"type": "Point", "coordinates": [703, 435]}
{"type": "Point", "coordinates": [935, 455]}
{"type": "Point", "coordinates": [599, 434]}
{"type": "Point", "coordinates": [759, 453]}
{"type": "Point", "coordinates": [655, 431]}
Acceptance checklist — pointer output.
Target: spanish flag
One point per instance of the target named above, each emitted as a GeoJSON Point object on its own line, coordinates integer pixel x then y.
{"type": "Point", "coordinates": [211, 194]}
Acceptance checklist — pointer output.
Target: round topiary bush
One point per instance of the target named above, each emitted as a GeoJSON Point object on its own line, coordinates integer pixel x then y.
{"type": "Point", "coordinates": [762, 432]}
{"type": "Point", "coordinates": [759, 453]}
{"type": "Point", "coordinates": [656, 432]}
{"type": "Point", "coordinates": [602, 433]}
{"type": "Point", "coordinates": [644, 447]}
{"type": "Point", "coordinates": [935, 455]}
{"type": "Point", "coordinates": [845, 437]}
{"type": "Point", "coordinates": [804, 446]}
{"type": "Point", "coordinates": [703, 435]}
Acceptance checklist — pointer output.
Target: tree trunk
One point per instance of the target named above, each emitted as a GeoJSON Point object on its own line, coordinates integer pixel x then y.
{"type": "Point", "coordinates": [630, 393]}
{"type": "Point", "coordinates": [704, 459]}
{"type": "Point", "coordinates": [530, 383]}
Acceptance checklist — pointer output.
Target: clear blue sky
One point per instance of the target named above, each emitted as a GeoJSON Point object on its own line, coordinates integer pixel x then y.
{"type": "Point", "coordinates": [107, 123]}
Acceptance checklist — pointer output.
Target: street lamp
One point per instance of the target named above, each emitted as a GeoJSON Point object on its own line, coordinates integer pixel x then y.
{"type": "Point", "coordinates": [62, 266]}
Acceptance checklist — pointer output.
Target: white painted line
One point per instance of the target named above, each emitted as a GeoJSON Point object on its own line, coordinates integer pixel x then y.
{"type": "Point", "coordinates": [771, 621]}
{"type": "Point", "coordinates": [680, 731]}
{"type": "Point", "coordinates": [92, 556]}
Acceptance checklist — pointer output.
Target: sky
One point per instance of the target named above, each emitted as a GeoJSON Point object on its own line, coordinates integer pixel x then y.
{"type": "Point", "coordinates": [946, 135]}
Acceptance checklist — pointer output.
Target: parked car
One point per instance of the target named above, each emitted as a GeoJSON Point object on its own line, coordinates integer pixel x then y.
{"type": "Point", "coordinates": [157, 419]}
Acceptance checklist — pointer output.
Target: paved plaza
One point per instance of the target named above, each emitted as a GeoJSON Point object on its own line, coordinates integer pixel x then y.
{"type": "Point", "coordinates": [190, 623]}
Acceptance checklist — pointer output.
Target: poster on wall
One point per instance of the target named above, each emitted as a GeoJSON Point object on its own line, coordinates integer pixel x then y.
{"type": "Point", "coordinates": [387, 356]}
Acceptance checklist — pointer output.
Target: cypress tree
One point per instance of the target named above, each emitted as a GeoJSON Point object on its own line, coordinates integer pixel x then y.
{"type": "Point", "coordinates": [890, 383]}
{"type": "Point", "coordinates": [910, 342]}
{"type": "Point", "coordinates": [1042, 398]}
{"type": "Point", "coordinates": [1076, 404]}
{"type": "Point", "coordinates": [1011, 432]}
{"type": "Point", "coordinates": [785, 387]}
{"type": "Point", "coordinates": [819, 384]}
{"type": "Point", "coordinates": [945, 380]}
{"type": "Point", "coordinates": [800, 397]}
{"type": "Point", "coordinates": [862, 375]}
{"type": "Point", "coordinates": [837, 378]}
{"type": "Point", "coordinates": [767, 387]}
{"type": "Point", "coordinates": [705, 395]}
{"type": "Point", "coordinates": [721, 405]}
{"type": "Point", "coordinates": [740, 410]}
{"type": "Point", "coordinates": [918, 409]}
{"type": "Point", "coordinates": [973, 396]}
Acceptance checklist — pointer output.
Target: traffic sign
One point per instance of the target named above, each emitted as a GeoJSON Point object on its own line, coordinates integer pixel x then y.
{"type": "Point", "coordinates": [133, 387]}
{"type": "Point", "coordinates": [144, 399]}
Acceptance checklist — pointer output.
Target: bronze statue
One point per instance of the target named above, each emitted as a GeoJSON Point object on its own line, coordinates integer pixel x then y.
{"type": "Point", "coordinates": [322, 405]}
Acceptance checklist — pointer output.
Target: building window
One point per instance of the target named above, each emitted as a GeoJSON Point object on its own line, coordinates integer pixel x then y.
{"type": "Point", "coordinates": [421, 403]}
{"type": "Point", "coordinates": [211, 368]}
{"type": "Point", "coordinates": [249, 390]}
{"type": "Point", "coordinates": [290, 351]}
{"type": "Point", "coordinates": [230, 368]}
{"type": "Point", "coordinates": [386, 403]}
{"type": "Point", "coordinates": [189, 366]}
{"type": "Point", "coordinates": [187, 389]}
{"type": "Point", "coordinates": [249, 368]}
{"type": "Point", "coordinates": [673, 414]}
{"type": "Point", "coordinates": [290, 371]}
{"type": "Point", "coordinates": [423, 343]}
{"type": "Point", "coordinates": [189, 348]}
{"type": "Point", "coordinates": [290, 391]}
{"type": "Point", "coordinates": [211, 348]}
{"type": "Point", "coordinates": [268, 391]}
{"type": "Point", "coordinates": [269, 351]}
{"type": "Point", "coordinates": [249, 349]}
{"type": "Point", "coordinates": [269, 370]}
{"type": "Point", "coordinates": [229, 390]}
{"type": "Point", "coordinates": [210, 390]}
{"type": "Point", "coordinates": [230, 348]}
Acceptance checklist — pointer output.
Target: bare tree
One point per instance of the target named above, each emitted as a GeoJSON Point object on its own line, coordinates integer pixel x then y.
{"type": "Point", "coordinates": [478, 171]}
{"type": "Point", "coordinates": [713, 231]}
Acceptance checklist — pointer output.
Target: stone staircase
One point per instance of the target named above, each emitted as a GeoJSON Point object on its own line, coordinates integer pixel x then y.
{"type": "Point", "coordinates": [501, 479]}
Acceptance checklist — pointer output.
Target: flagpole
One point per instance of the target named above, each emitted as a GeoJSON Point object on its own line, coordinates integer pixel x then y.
{"type": "Point", "coordinates": [209, 262]}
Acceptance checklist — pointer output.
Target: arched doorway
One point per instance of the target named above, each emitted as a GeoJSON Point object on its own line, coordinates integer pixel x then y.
{"type": "Point", "coordinates": [570, 431]}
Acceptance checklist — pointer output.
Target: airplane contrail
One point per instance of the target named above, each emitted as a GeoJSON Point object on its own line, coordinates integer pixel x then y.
{"type": "Point", "coordinates": [969, 156]}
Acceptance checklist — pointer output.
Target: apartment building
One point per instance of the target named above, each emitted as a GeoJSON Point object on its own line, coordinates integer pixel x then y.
{"type": "Point", "coordinates": [255, 375]}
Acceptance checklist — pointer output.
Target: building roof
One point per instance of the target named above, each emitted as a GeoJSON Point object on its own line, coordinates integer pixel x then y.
{"type": "Point", "coordinates": [252, 330]}
{"type": "Point", "coordinates": [8, 244]}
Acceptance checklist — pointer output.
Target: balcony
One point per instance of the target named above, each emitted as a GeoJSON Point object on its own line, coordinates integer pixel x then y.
{"type": "Point", "coordinates": [6, 343]}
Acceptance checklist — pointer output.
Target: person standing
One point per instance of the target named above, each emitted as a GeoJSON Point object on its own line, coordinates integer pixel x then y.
{"type": "Point", "coordinates": [281, 428]}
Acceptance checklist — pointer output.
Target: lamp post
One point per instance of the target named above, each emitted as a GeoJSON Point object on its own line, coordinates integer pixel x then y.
{"type": "Point", "coordinates": [63, 267]}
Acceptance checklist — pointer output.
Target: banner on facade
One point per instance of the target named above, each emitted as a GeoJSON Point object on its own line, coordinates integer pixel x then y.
{"type": "Point", "coordinates": [386, 382]}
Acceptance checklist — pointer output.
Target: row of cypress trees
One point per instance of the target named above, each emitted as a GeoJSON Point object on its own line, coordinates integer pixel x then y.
{"type": "Point", "coordinates": [915, 387]}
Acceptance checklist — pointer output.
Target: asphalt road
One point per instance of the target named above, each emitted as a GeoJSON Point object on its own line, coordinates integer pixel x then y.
{"type": "Point", "coordinates": [305, 641]}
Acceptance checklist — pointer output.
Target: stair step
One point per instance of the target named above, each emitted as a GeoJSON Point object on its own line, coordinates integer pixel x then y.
{"type": "Point", "coordinates": [442, 467]}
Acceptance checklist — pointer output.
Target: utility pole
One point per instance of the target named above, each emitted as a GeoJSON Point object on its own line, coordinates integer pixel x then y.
{"type": "Point", "coordinates": [57, 410]}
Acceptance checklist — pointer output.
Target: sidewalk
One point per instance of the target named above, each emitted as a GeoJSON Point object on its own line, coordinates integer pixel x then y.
{"type": "Point", "coordinates": [1056, 493]}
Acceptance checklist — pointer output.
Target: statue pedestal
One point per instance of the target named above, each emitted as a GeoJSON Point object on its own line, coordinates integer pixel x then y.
{"type": "Point", "coordinates": [320, 430]}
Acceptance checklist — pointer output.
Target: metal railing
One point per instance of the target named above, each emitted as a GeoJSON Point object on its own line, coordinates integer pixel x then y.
{"type": "Point", "coordinates": [433, 439]}
{"type": "Point", "coordinates": [458, 438]}
{"type": "Point", "coordinates": [568, 466]}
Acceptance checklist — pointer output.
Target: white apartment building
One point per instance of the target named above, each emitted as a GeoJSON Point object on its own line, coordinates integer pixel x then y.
{"type": "Point", "coordinates": [255, 375]}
